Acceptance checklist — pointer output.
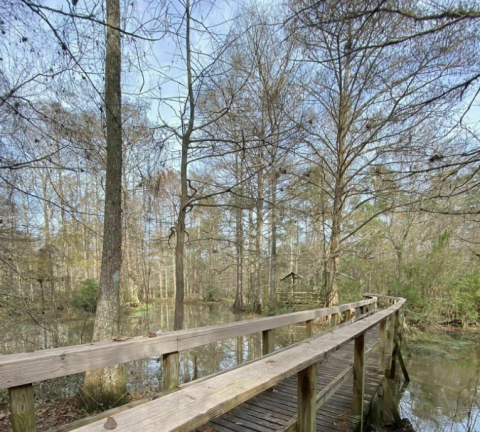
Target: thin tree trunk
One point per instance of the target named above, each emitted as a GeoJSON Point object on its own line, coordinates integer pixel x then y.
{"type": "Point", "coordinates": [251, 257]}
{"type": "Point", "coordinates": [238, 305]}
{"type": "Point", "coordinates": [273, 254]}
{"type": "Point", "coordinates": [180, 229]}
{"type": "Point", "coordinates": [257, 304]}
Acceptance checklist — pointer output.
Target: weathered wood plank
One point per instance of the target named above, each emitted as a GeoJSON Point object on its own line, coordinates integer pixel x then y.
{"type": "Point", "coordinates": [22, 410]}
{"type": "Point", "coordinates": [359, 375]}
{"type": "Point", "coordinates": [306, 399]}
{"type": "Point", "coordinates": [25, 368]}
{"type": "Point", "coordinates": [402, 365]}
{"type": "Point", "coordinates": [381, 346]}
{"type": "Point", "coordinates": [88, 420]}
{"type": "Point", "coordinates": [309, 328]}
{"type": "Point", "coordinates": [192, 407]}
{"type": "Point", "coordinates": [390, 402]}
{"type": "Point", "coordinates": [171, 370]}
{"type": "Point", "coordinates": [268, 342]}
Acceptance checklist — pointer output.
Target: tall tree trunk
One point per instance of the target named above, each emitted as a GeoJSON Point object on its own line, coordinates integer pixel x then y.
{"type": "Point", "coordinates": [108, 385]}
{"type": "Point", "coordinates": [273, 254]}
{"type": "Point", "coordinates": [251, 258]}
{"type": "Point", "coordinates": [180, 229]}
{"type": "Point", "coordinates": [339, 189]}
{"type": "Point", "coordinates": [238, 305]}
{"type": "Point", "coordinates": [257, 303]}
{"type": "Point", "coordinates": [334, 256]}
{"type": "Point", "coordinates": [401, 272]}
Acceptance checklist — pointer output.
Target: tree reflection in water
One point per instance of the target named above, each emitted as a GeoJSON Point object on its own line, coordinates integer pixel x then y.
{"type": "Point", "coordinates": [444, 392]}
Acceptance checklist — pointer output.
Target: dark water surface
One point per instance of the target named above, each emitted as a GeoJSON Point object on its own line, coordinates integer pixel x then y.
{"type": "Point", "coordinates": [444, 392]}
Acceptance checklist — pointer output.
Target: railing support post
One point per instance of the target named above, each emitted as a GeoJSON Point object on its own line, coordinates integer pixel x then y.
{"type": "Point", "coordinates": [359, 377]}
{"type": "Point", "coordinates": [391, 319]}
{"type": "Point", "coordinates": [381, 346]}
{"type": "Point", "coordinates": [309, 328]}
{"type": "Point", "coordinates": [396, 326]}
{"type": "Point", "coordinates": [171, 365]}
{"type": "Point", "coordinates": [348, 315]}
{"type": "Point", "coordinates": [267, 342]}
{"type": "Point", "coordinates": [22, 408]}
{"type": "Point", "coordinates": [306, 399]}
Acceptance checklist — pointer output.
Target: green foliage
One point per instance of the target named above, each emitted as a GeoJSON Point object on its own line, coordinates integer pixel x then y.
{"type": "Point", "coordinates": [212, 295]}
{"type": "Point", "coordinates": [86, 296]}
{"type": "Point", "coordinates": [466, 297]}
{"type": "Point", "coordinates": [441, 281]}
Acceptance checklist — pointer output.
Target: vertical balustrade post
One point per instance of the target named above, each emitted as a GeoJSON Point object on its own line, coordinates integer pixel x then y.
{"type": "Point", "coordinates": [348, 315]}
{"type": "Point", "coordinates": [22, 408]}
{"type": "Point", "coordinates": [267, 342]}
{"type": "Point", "coordinates": [359, 377]}
{"type": "Point", "coordinates": [309, 328]}
{"type": "Point", "coordinates": [306, 399]}
{"type": "Point", "coordinates": [171, 364]}
{"type": "Point", "coordinates": [382, 341]}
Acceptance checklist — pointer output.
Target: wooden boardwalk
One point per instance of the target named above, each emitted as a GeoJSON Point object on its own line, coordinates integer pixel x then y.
{"type": "Point", "coordinates": [271, 410]}
{"type": "Point", "coordinates": [258, 396]}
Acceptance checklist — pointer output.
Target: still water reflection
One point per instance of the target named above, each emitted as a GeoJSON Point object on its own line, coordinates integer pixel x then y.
{"type": "Point", "coordinates": [145, 376]}
{"type": "Point", "coordinates": [444, 392]}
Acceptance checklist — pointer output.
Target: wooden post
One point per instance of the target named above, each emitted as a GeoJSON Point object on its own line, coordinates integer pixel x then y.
{"type": "Point", "coordinates": [306, 399]}
{"type": "Point", "coordinates": [22, 409]}
{"type": "Point", "coordinates": [390, 402]}
{"type": "Point", "coordinates": [391, 319]}
{"type": "Point", "coordinates": [348, 315]}
{"type": "Point", "coordinates": [309, 328]}
{"type": "Point", "coordinates": [267, 342]}
{"type": "Point", "coordinates": [396, 322]}
{"type": "Point", "coordinates": [381, 346]}
{"type": "Point", "coordinates": [171, 370]}
{"type": "Point", "coordinates": [402, 365]}
{"type": "Point", "coordinates": [359, 377]}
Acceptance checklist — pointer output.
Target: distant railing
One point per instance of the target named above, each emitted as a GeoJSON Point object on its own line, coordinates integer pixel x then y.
{"type": "Point", "coordinates": [299, 297]}
{"type": "Point", "coordinates": [19, 371]}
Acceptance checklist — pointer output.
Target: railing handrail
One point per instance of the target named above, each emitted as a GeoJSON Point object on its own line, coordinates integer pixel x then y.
{"type": "Point", "coordinates": [380, 296]}
{"type": "Point", "coordinates": [206, 400]}
{"type": "Point", "coordinates": [26, 368]}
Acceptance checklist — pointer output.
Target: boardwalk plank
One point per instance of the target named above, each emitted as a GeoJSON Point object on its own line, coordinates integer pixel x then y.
{"type": "Point", "coordinates": [274, 407]}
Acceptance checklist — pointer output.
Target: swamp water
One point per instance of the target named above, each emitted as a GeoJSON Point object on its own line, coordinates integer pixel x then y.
{"type": "Point", "coordinates": [444, 392]}
{"type": "Point", "coordinates": [146, 376]}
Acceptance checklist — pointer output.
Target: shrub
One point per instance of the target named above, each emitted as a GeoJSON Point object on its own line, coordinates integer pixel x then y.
{"type": "Point", "coordinates": [86, 296]}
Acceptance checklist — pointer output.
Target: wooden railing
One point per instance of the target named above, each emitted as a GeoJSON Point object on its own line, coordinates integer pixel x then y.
{"type": "Point", "coordinates": [203, 399]}
{"type": "Point", "coordinates": [298, 297]}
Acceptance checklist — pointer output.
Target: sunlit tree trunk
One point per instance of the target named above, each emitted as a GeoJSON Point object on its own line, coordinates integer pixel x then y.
{"type": "Point", "coordinates": [107, 386]}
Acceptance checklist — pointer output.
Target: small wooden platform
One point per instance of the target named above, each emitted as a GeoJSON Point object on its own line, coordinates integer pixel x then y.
{"type": "Point", "coordinates": [270, 410]}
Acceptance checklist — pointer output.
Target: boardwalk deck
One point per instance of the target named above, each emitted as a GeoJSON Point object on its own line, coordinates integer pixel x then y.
{"type": "Point", "coordinates": [271, 410]}
{"type": "Point", "coordinates": [236, 400]}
